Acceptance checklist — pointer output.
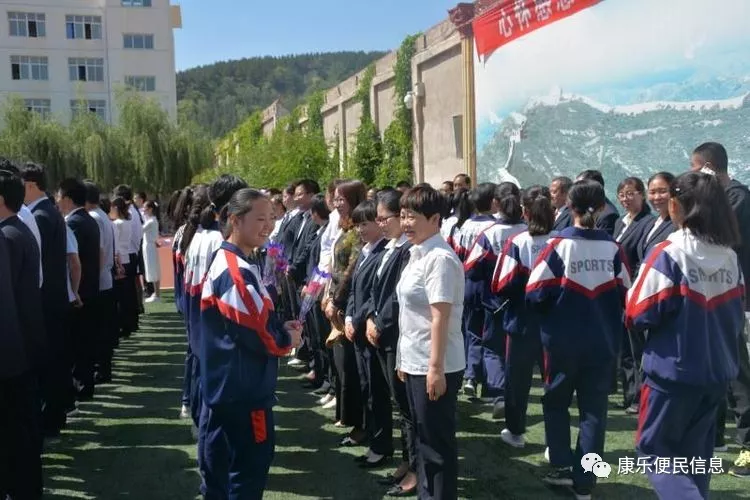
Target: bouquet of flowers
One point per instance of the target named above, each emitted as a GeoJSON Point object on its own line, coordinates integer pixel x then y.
{"type": "Point", "coordinates": [312, 292]}
{"type": "Point", "coordinates": [275, 265]}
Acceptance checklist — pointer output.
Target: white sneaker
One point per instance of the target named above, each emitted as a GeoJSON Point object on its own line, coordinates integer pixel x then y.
{"type": "Point", "coordinates": [546, 454]}
{"type": "Point", "coordinates": [330, 404]}
{"type": "Point", "coordinates": [325, 399]}
{"type": "Point", "coordinates": [152, 299]}
{"type": "Point", "coordinates": [721, 449]}
{"type": "Point", "coordinates": [184, 412]}
{"type": "Point", "coordinates": [516, 441]}
{"type": "Point", "coordinates": [295, 362]}
{"type": "Point", "coordinates": [75, 412]}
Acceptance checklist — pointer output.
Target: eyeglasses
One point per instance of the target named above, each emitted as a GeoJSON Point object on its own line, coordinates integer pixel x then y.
{"type": "Point", "coordinates": [383, 220]}
{"type": "Point", "coordinates": [629, 195]}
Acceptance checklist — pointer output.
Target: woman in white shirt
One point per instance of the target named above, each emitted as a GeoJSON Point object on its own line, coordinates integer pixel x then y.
{"type": "Point", "coordinates": [150, 245]}
{"type": "Point", "coordinates": [120, 216]}
{"type": "Point", "coordinates": [430, 354]}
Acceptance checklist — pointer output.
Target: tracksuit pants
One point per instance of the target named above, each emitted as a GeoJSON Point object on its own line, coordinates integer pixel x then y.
{"type": "Point", "coordinates": [485, 352]}
{"type": "Point", "coordinates": [240, 444]}
{"type": "Point", "coordinates": [522, 352]}
{"type": "Point", "coordinates": [678, 421]}
{"type": "Point", "coordinates": [590, 379]}
{"type": "Point", "coordinates": [435, 426]}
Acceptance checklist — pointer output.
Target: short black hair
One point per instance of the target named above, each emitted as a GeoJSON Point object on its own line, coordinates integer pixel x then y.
{"type": "Point", "coordinates": [424, 200]}
{"type": "Point", "coordinates": [142, 195]}
{"type": "Point", "coordinates": [404, 184]}
{"type": "Point", "coordinates": [123, 191]}
{"type": "Point", "coordinates": [706, 210]}
{"type": "Point", "coordinates": [319, 206]}
{"type": "Point", "coordinates": [289, 189]}
{"type": "Point", "coordinates": [565, 182]}
{"type": "Point", "coordinates": [310, 186]}
{"type": "Point", "coordinates": [715, 154]}
{"type": "Point", "coordinates": [482, 196]}
{"type": "Point", "coordinates": [36, 173]}
{"type": "Point", "coordinates": [92, 192]}
{"type": "Point", "coordinates": [591, 175]}
{"type": "Point", "coordinates": [364, 212]}
{"type": "Point", "coordinates": [586, 197]}
{"type": "Point", "coordinates": [667, 177]}
{"type": "Point", "coordinates": [6, 164]}
{"type": "Point", "coordinates": [465, 178]}
{"type": "Point", "coordinates": [449, 183]}
{"type": "Point", "coordinates": [390, 199]}
{"type": "Point", "coordinates": [74, 189]}
{"type": "Point", "coordinates": [12, 190]}
{"type": "Point", "coordinates": [273, 191]}
{"type": "Point", "coordinates": [634, 182]}
{"type": "Point", "coordinates": [221, 190]}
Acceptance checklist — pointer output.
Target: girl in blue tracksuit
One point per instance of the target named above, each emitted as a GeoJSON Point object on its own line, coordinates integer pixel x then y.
{"type": "Point", "coordinates": [486, 344]}
{"type": "Point", "coordinates": [524, 344]}
{"type": "Point", "coordinates": [481, 198]}
{"type": "Point", "coordinates": [689, 296]}
{"type": "Point", "coordinates": [241, 341]}
{"type": "Point", "coordinates": [577, 288]}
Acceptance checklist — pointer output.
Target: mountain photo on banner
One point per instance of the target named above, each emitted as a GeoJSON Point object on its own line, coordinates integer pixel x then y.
{"type": "Point", "coordinates": [220, 96]}
{"type": "Point", "coordinates": [629, 87]}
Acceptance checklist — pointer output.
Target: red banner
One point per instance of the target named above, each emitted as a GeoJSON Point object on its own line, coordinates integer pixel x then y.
{"type": "Point", "coordinates": [512, 19]}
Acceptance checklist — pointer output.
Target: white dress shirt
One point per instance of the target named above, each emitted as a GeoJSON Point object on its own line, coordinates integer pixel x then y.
{"type": "Point", "coordinates": [71, 248]}
{"type": "Point", "coordinates": [136, 230]}
{"type": "Point", "coordinates": [366, 252]}
{"type": "Point", "coordinates": [331, 234]}
{"type": "Point", "coordinates": [106, 246]}
{"type": "Point", "coordinates": [123, 230]}
{"type": "Point", "coordinates": [27, 218]}
{"type": "Point", "coordinates": [390, 247]}
{"type": "Point", "coordinates": [433, 275]}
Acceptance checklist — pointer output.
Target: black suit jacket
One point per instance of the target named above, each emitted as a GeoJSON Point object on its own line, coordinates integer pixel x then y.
{"type": "Point", "coordinates": [288, 233]}
{"type": "Point", "coordinates": [631, 239]}
{"type": "Point", "coordinates": [313, 257]}
{"type": "Point", "coordinates": [86, 231]}
{"type": "Point", "coordinates": [648, 243]}
{"type": "Point", "coordinates": [607, 218]}
{"type": "Point", "coordinates": [382, 307]}
{"type": "Point", "coordinates": [361, 288]}
{"type": "Point", "coordinates": [53, 232]}
{"type": "Point", "coordinates": [300, 250]}
{"type": "Point", "coordinates": [563, 221]}
{"type": "Point", "coordinates": [13, 361]}
{"type": "Point", "coordinates": [23, 253]}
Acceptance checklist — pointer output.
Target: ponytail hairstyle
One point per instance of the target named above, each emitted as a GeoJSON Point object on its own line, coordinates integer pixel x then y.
{"type": "Point", "coordinates": [181, 210]}
{"type": "Point", "coordinates": [121, 207]}
{"type": "Point", "coordinates": [705, 208]}
{"type": "Point", "coordinates": [239, 204]}
{"type": "Point", "coordinates": [154, 206]}
{"type": "Point", "coordinates": [219, 193]}
{"type": "Point", "coordinates": [540, 214]}
{"type": "Point", "coordinates": [585, 199]}
{"type": "Point", "coordinates": [200, 202]}
{"type": "Point", "coordinates": [462, 206]}
{"type": "Point", "coordinates": [171, 204]}
{"type": "Point", "coordinates": [508, 198]}
{"type": "Point", "coordinates": [481, 197]}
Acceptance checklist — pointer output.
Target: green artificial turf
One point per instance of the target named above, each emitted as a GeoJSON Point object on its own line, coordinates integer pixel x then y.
{"type": "Point", "coordinates": [130, 443]}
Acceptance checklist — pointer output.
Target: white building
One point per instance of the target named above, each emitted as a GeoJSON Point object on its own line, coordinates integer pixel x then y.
{"type": "Point", "coordinates": [63, 56]}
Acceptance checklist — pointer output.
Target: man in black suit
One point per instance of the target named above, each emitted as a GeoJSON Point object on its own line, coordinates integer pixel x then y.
{"type": "Point", "coordinates": [372, 382]}
{"type": "Point", "coordinates": [55, 380]}
{"type": "Point", "coordinates": [291, 222]}
{"type": "Point", "coordinates": [608, 217]}
{"type": "Point", "coordinates": [558, 190]}
{"type": "Point", "coordinates": [21, 402]}
{"type": "Point", "coordinates": [71, 199]}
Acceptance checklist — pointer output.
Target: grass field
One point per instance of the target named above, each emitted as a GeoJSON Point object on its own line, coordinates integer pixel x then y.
{"type": "Point", "coordinates": [129, 443]}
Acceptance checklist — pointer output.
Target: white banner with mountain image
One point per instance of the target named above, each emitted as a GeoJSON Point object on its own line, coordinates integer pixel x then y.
{"type": "Point", "coordinates": [628, 87]}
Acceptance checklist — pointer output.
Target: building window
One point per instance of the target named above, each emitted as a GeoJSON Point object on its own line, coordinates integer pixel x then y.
{"type": "Point", "coordinates": [27, 24]}
{"type": "Point", "coordinates": [96, 106]}
{"type": "Point", "coordinates": [136, 3]}
{"type": "Point", "coordinates": [141, 83]}
{"type": "Point", "coordinates": [82, 69]}
{"type": "Point", "coordinates": [83, 27]}
{"type": "Point", "coordinates": [29, 68]}
{"type": "Point", "coordinates": [41, 106]}
{"type": "Point", "coordinates": [137, 41]}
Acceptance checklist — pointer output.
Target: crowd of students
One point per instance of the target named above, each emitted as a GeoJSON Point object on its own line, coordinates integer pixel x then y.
{"type": "Point", "coordinates": [392, 302]}
{"type": "Point", "coordinates": [70, 289]}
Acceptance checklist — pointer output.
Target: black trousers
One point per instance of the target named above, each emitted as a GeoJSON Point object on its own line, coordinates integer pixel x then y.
{"type": "Point", "coordinates": [317, 328]}
{"type": "Point", "coordinates": [386, 358]}
{"type": "Point", "coordinates": [20, 435]}
{"type": "Point", "coordinates": [377, 400]}
{"type": "Point", "coordinates": [521, 353]}
{"type": "Point", "coordinates": [349, 404]}
{"type": "Point", "coordinates": [105, 317]}
{"type": "Point", "coordinates": [437, 447]}
{"type": "Point", "coordinates": [127, 299]}
{"type": "Point", "coordinates": [55, 379]}
{"type": "Point", "coordinates": [629, 367]}
{"type": "Point", "coordinates": [83, 335]}
{"type": "Point", "coordinates": [739, 401]}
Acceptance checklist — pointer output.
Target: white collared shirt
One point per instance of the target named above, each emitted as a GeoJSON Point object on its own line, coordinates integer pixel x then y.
{"type": "Point", "coordinates": [626, 221]}
{"type": "Point", "coordinates": [71, 247]}
{"type": "Point", "coordinates": [25, 216]}
{"type": "Point", "coordinates": [331, 234]}
{"type": "Point", "coordinates": [433, 275]}
{"type": "Point", "coordinates": [659, 221]}
{"type": "Point", "coordinates": [106, 246]}
{"type": "Point", "coordinates": [136, 230]}
{"type": "Point", "coordinates": [389, 249]}
{"type": "Point", "coordinates": [31, 206]}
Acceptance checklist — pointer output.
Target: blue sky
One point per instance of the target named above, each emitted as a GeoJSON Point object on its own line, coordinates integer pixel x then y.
{"type": "Point", "coordinates": [219, 30]}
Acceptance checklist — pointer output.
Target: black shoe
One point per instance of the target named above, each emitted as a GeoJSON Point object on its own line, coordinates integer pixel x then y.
{"type": "Point", "coordinates": [562, 476]}
{"type": "Point", "coordinates": [398, 491]}
{"type": "Point", "coordinates": [374, 465]}
{"type": "Point", "coordinates": [582, 492]}
{"type": "Point", "coordinates": [391, 480]}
